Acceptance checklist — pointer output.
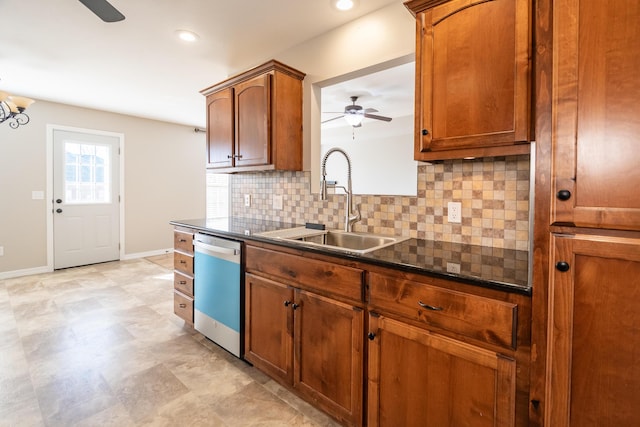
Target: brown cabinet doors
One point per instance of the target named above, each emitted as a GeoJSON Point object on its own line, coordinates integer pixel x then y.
{"type": "Point", "coordinates": [238, 123]}
{"type": "Point", "coordinates": [594, 330]}
{"type": "Point", "coordinates": [417, 378]}
{"type": "Point", "coordinates": [324, 335]}
{"type": "Point", "coordinates": [269, 327]}
{"type": "Point", "coordinates": [220, 140]}
{"type": "Point", "coordinates": [329, 355]}
{"type": "Point", "coordinates": [473, 73]}
{"type": "Point", "coordinates": [253, 121]}
{"type": "Point", "coordinates": [596, 120]}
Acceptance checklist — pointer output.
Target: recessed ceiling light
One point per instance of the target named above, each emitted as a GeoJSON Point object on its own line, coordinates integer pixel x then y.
{"type": "Point", "coordinates": [344, 5]}
{"type": "Point", "coordinates": [187, 36]}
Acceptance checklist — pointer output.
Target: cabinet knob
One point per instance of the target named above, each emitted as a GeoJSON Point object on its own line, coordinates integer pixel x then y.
{"type": "Point", "coordinates": [229, 156]}
{"type": "Point", "coordinates": [286, 303]}
{"type": "Point", "coordinates": [371, 336]}
{"type": "Point", "coordinates": [562, 266]}
{"type": "Point", "coordinates": [563, 195]}
{"type": "Point", "coordinates": [295, 306]}
{"type": "Point", "coordinates": [425, 132]}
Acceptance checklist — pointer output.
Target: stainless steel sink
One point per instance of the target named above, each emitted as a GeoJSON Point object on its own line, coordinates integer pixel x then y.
{"type": "Point", "coordinates": [347, 241]}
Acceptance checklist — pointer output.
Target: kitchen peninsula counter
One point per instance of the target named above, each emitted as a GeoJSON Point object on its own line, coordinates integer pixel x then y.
{"type": "Point", "coordinates": [495, 268]}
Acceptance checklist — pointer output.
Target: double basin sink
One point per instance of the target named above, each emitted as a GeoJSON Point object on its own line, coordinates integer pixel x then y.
{"type": "Point", "coordinates": [346, 241]}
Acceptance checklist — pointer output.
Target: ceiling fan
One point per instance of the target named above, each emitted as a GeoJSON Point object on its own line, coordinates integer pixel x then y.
{"type": "Point", "coordinates": [104, 10]}
{"type": "Point", "coordinates": [354, 114]}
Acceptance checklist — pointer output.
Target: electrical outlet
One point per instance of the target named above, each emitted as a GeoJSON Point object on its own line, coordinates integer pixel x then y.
{"type": "Point", "coordinates": [454, 212]}
{"type": "Point", "coordinates": [278, 203]}
{"type": "Point", "coordinates": [247, 200]}
{"type": "Point", "coordinates": [453, 267]}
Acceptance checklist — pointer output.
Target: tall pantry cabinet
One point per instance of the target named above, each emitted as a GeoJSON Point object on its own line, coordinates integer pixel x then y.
{"type": "Point", "coordinates": [586, 357]}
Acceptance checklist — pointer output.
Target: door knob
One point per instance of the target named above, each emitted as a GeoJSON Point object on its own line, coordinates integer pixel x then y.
{"type": "Point", "coordinates": [58, 200]}
{"type": "Point", "coordinates": [59, 210]}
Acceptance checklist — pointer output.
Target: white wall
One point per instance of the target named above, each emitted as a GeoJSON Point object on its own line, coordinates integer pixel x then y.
{"type": "Point", "coordinates": [164, 179]}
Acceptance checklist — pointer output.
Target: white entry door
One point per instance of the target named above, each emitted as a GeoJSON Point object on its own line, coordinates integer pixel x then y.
{"type": "Point", "coordinates": [86, 212]}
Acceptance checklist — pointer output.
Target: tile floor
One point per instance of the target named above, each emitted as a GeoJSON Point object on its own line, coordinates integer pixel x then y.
{"type": "Point", "coordinates": [100, 346]}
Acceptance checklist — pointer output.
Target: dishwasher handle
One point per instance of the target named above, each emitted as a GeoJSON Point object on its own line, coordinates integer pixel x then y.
{"type": "Point", "coordinates": [215, 249]}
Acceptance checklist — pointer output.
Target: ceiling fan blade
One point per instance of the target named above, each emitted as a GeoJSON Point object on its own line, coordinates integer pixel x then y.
{"type": "Point", "coordinates": [104, 10]}
{"type": "Point", "coordinates": [335, 118]}
{"type": "Point", "coordinates": [373, 116]}
{"type": "Point", "coordinates": [370, 110]}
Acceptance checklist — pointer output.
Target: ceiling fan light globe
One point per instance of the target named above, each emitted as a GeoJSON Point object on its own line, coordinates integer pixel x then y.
{"type": "Point", "coordinates": [354, 119]}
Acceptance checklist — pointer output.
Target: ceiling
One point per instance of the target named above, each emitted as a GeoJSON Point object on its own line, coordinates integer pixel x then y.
{"type": "Point", "coordinates": [60, 51]}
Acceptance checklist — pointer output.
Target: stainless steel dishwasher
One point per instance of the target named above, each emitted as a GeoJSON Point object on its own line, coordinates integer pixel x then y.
{"type": "Point", "coordinates": [217, 283]}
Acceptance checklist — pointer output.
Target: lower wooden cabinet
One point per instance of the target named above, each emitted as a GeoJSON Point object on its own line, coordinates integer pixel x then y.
{"type": "Point", "coordinates": [309, 342]}
{"type": "Point", "coordinates": [183, 274]}
{"type": "Point", "coordinates": [269, 327]}
{"type": "Point", "coordinates": [418, 378]}
{"type": "Point", "coordinates": [594, 332]}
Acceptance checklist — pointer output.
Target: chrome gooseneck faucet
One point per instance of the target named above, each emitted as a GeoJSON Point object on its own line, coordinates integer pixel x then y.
{"type": "Point", "coordinates": [350, 217]}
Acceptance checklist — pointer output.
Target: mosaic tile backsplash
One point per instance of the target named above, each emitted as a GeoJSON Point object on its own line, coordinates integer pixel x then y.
{"type": "Point", "coordinates": [494, 193]}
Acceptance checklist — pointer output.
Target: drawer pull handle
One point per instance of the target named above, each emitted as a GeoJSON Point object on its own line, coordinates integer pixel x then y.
{"type": "Point", "coordinates": [182, 282]}
{"type": "Point", "coordinates": [183, 261]}
{"type": "Point", "coordinates": [183, 305]}
{"type": "Point", "coordinates": [429, 307]}
{"type": "Point", "coordinates": [182, 240]}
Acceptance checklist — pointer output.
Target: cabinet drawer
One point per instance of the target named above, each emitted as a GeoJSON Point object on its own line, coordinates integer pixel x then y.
{"type": "Point", "coordinates": [183, 306]}
{"type": "Point", "coordinates": [183, 283]}
{"type": "Point", "coordinates": [313, 274]}
{"type": "Point", "coordinates": [183, 263]}
{"type": "Point", "coordinates": [481, 318]}
{"type": "Point", "coordinates": [183, 241]}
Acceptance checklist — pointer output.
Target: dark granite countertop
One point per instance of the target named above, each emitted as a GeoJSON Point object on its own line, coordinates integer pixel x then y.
{"type": "Point", "coordinates": [502, 269]}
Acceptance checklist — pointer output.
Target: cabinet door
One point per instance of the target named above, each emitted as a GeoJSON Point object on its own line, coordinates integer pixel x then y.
{"type": "Point", "coordinates": [253, 121]}
{"type": "Point", "coordinates": [329, 360]}
{"type": "Point", "coordinates": [596, 114]}
{"type": "Point", "coordinates": [594, 331]}
{"type": "Point", "coordinates": [220, 147]}
{"type": "Point", "coordinates": [269, 327]}
{"type": "Point", "coordinates": [417, 378]}
{"type": "Point", "coordinates": [473, 72]}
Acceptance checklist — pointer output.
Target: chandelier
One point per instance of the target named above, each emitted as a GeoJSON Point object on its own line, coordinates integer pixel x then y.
{"type": "Point", "coordinates": [12, 109]}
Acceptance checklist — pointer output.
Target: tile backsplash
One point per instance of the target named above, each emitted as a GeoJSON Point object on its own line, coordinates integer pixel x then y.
{"type": "Point", "coordinates": [494, 193]}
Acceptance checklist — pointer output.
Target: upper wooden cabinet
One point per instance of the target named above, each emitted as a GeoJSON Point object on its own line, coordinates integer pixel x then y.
{"type": "Point", "coordinates": [472, 78]}
{"type": "Point", "coordinates": [596, 114]}
{"type": "Point", "coordinates": [254, 120]}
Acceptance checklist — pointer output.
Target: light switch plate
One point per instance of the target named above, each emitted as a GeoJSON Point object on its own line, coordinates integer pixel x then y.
{"type": "Point", "coordinates": [37, 195]}
{"type": "Point", "coordinates": [247, 200]}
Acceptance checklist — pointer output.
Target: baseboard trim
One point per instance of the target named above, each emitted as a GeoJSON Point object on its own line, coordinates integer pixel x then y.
{"type": "Point", "coordinates": [25, 272]}
{"type": "Point", "coordinates": [147, 254]}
